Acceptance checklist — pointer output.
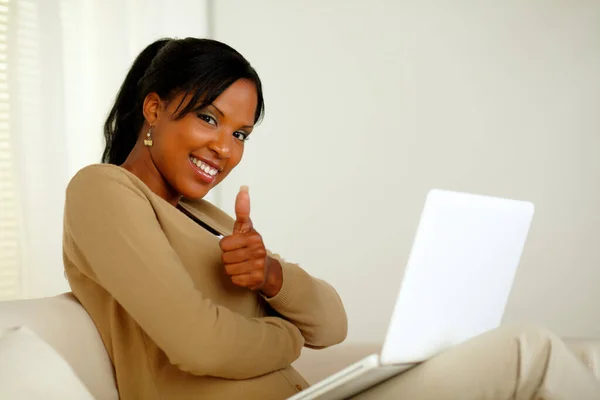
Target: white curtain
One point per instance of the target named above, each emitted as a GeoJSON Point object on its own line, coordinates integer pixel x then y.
{"type": "Point", "coordinates": [65, 60]}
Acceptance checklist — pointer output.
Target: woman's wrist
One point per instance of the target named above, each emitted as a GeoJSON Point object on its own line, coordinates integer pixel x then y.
{"type": "Point", "coordinates": [274, 281]}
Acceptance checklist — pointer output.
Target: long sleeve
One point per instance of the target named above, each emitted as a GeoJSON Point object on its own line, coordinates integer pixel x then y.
{"type": "Point", "coordinates": [312, 305]}
{"type": "Point", "coordinates": [112, 226]}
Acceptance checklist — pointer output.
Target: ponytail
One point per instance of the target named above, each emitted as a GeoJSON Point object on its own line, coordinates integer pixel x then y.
{"type": "Point", "coordinates": [125, 119]}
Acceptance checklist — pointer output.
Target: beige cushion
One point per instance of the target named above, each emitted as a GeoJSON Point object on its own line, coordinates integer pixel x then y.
{"type": "Point", "coordinates": [588, 350]}
{"type": "Point", "coordinates": [31, 369]}
{"type": "Point", "coordinates": [65, 325]}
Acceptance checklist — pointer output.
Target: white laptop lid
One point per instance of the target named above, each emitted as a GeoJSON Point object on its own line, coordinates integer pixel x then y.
{"type": "Point", "coordinates": [459, 274]}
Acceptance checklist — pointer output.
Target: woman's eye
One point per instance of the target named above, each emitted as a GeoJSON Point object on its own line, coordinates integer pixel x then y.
{"type": "Point", "coordinates": [208, 119]}
{"type": "Point", "coordinates": [243, 136]}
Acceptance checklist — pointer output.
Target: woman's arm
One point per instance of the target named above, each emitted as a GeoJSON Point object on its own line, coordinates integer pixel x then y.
{"type": "Point", "coordinates": [311, 304]}
{"type": "Point", "coordinates": [112, 226]}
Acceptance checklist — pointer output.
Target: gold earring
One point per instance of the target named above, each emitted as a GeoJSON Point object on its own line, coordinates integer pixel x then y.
{"type": "Point", "coordinates": [148, 141]}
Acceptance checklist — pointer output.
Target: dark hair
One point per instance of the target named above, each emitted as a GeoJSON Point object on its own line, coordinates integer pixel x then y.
{"type": "Point", "coordinates": [202, 68]}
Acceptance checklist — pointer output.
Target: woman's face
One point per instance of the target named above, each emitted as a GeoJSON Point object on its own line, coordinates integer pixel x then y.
{"type": "Point", "coordinates": [195, 153]}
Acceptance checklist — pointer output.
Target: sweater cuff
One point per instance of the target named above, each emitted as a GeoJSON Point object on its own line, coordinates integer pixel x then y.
{"type": "Point", "coordinates": [292, 288]}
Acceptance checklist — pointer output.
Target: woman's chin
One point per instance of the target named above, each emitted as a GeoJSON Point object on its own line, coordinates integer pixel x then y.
{"type": "Point", "coordinates": [194, 188]}
{"type": "Point", "coordinates": [195, 195]}
{"type": "Point", "coordinates": [195, 191]}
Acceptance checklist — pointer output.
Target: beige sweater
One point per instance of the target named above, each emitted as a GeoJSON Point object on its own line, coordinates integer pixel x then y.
{"type": "Point", "coordinates": [174, 325]}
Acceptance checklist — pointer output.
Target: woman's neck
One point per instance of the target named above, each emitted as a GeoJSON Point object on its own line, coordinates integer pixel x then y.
{"type": "Point", "coordinates": [140, 164]}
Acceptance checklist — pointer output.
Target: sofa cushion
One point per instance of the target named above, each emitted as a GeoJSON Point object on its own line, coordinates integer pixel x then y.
{"type": "Point", "coordinates": [64, 324]}
{"type": "Point", "coordinates": [587, 350]}
{"type": "Point", "coordinates": [31, 369]}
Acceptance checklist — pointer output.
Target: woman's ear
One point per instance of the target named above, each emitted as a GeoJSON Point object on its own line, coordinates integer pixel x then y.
{"type": "Point", "coordinates": [151, 107]}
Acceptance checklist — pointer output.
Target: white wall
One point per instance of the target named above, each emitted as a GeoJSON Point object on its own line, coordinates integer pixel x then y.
{"type": "Point", "coordinates": [370, 104]}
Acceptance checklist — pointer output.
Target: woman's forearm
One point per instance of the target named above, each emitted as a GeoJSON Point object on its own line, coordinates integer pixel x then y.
{"type": "Point", "coordinates": [312, 305]}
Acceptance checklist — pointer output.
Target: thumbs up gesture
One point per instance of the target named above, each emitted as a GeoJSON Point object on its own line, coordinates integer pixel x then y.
{"type": "Point", "coordinates": [244, 254]}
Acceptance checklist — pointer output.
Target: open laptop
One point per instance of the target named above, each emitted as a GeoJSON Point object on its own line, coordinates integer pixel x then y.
{"type": "Point", "coordinates": [455, 286]}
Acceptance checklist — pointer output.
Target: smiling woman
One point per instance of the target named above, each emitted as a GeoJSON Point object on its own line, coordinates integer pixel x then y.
{"type": "Point", "coordinates": [205, 111]}
{"type": "Point", "coordinates": [211, 137]}
{"type": "Point", "coordinates": [188, 301]}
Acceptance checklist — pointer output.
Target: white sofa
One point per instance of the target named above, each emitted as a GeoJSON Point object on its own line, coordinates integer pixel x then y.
{"type": "Point", "coordinates": [65, 325]}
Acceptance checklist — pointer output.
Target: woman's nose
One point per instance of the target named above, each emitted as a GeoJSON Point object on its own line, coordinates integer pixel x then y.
{"type": "Point", "coordinates": [221, 144]}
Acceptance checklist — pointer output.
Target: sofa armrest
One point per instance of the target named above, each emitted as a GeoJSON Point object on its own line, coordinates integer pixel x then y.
{"type": "Point", "coordinates": [65, 325]}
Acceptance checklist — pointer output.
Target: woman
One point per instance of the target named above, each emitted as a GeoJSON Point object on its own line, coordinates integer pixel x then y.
{"type": "Point", "coordinates": [183, 313]}
{"type": "Point", "coordinates": [187, 314]}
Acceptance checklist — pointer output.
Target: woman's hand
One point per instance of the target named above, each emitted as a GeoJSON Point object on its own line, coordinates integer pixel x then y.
{"type": "Point", "coordinates": [244, 254]}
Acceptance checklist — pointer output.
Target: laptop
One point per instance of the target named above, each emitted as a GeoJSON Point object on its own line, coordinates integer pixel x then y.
{"type": "Point", "coordinates": [455, 286]}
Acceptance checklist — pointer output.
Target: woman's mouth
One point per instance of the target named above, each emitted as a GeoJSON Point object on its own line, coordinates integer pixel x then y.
{"type": "Point", "coordinates": [205, 171]}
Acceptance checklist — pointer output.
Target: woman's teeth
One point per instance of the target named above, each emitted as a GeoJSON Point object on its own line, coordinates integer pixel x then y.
{"type": "Point", "coordinates": [204, 167]}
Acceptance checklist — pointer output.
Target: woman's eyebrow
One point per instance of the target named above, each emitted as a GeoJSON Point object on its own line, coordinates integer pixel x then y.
{"type": "Point", "coordinates": [223, 115]}
{"type": "Point", "coordinates": [219, 111]}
